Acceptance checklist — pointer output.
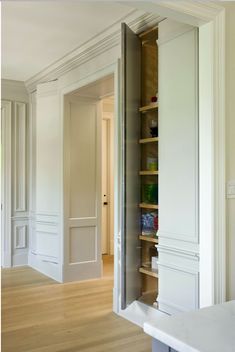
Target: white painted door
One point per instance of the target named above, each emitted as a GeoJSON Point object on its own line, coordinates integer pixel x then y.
{"type": "Point", "coordinates": [105, 188]}
{"type": "Point", "coordinates": [82, 189]}
{"type": "Point", "coordinates": [178, 168]}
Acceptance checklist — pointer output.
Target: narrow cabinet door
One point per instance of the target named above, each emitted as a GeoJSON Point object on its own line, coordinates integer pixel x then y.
{"type": "Point", "coordinates": [131, 61]}
{"type": "Point", "coordinates": [178, 167]}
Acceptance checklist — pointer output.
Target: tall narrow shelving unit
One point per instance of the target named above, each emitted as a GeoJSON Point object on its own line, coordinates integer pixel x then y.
{"type": "Point", "coordinates": [148, 174]}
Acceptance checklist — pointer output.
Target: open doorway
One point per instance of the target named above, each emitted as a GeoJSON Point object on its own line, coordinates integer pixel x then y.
{"type": "Point", "coordinates": [107, 226]}
{"type": "Point", "coordinates": [88, 191]}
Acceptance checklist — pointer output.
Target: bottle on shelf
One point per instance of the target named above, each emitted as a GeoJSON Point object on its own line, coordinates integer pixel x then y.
{"type": "Point", "coordinates": [153, 128]}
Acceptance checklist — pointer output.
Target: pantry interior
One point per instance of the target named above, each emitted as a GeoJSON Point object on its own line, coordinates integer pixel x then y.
{"type": "Point", "coordinates": [141, 167]}
{"type": "Point", "coordinates": [148, 168]}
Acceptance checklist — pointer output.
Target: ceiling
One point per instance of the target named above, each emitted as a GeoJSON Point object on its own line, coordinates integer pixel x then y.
{"type": "Point", "coordinates": [35, 34]}
{"type": "Point", "coordinates": [101, 88]}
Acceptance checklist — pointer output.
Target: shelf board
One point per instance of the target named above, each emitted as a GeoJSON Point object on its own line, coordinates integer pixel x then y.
{"type": "Point", "coordinates": [148, 108]}
{"type": "Point", "coordinates": [148, 140]}
{"type": "Point", "coordinates": [149, 271]}
{"type": "Point", "coordinates": [148, 206]}
{"type": "Point", "coordinates": [148, 238]}
{"type": "Point", "coordinates": [148, 172]}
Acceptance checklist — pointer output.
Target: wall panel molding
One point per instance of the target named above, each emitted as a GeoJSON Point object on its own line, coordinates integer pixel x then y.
{"type": "Point", "coordinates": [47, 218]}
{"type": "Point", "coordinates": [20, 236]}
{"type": "Point", "coordinates": [174, 298]}
{"type": "Point", "coordinates": [45, 246]}
{"type": "Point", "coordinates": [193, 255]}
{"type": "Point", "coordinates": [6, 112]}
{"type": "Point", "coordinates": [21, 216]}
{"type": "Point", "coordinates": [20, 157]}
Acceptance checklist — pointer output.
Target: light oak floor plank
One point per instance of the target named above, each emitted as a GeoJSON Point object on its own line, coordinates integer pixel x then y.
{"type": "Point", "coordinates": [40, 315]}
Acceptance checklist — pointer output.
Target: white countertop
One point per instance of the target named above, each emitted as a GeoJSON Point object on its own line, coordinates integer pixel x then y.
{"type": "Point", "coordinates": [209, 329]}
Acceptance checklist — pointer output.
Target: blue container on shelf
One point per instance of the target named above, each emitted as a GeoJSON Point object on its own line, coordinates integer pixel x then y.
{"type": "Point", "coordinates": [149, 223]}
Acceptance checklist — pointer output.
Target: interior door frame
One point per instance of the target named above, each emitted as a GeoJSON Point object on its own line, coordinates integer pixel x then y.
{"type": "Point", "coordinates": [114, 69]}
{"type": "Point", "coordinates": [106, 117]}
{"type": "Point", "coordinates": [210, 19]}
{"type": "Point", "coordinates": [107, 186]}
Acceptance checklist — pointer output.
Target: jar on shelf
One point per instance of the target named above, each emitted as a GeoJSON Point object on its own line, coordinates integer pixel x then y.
{"type": "Point", "coordinates": [150, 193]}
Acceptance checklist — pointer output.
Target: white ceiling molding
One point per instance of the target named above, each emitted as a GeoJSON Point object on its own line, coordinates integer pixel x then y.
{"type": "Point", "coordinates": [185, 11]}
{"type": "Point", "coordinates": [12, 83]}
{"type": "Point", "coordinates": [137, 21]}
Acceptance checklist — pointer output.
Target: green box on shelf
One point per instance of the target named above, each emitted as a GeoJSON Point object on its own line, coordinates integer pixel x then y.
{"type": "Point", "coordinates": [150, 193]}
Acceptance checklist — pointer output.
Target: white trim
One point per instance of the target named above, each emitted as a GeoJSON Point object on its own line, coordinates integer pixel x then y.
{"type": "Point", "coordinates": [194, 13]}
{"type": "Point", "coordinates": [206, 215]}
{"type": "Point", "coordinates": [117, 183]}
{"type": "Point", "coordinates": [212, 163]}
{"type": "Point", "coordinates": [6, 228]}
{"type": "Point", "coordinates": [193, 255]}
{"type": "Point", "coordinates": [20, 157]}
{"type": "Point", "coordinates": [12, 83]}
{"type": "Point", "coordinates": [47, 267]}
{"type": "Point", "coordinates": [219, 160]}
{"type": "Point", "coordinates": [32, 166]}
{"type": "Point", "coordinates": [102, 42]}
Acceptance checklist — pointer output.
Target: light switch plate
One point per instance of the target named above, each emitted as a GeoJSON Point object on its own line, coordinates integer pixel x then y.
{"type": "Point", "coordinates": [231, 189]}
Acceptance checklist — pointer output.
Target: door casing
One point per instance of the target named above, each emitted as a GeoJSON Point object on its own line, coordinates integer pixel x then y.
{"type": "Point", "coordinates": [115, 70]}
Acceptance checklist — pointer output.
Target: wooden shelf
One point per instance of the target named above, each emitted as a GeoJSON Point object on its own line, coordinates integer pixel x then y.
{"type": "Point", "coordinates": [148, 238]}
{"type": "Point", "coordinates": [148, 108]}
{"type": "Point", "coordinates": [148, 271]}
{"type": "Point", "coordinates": [148, 206]}
{"type": "Point", "coordinates": [148, 172]}
{"type": "Point", "coordinates": [148, 140]}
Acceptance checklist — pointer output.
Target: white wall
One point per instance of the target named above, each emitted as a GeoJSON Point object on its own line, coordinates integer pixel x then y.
{"type": "Point", "coordinates": [45, 249]}
{"type": "Point", "coordinates": [16, 93]}
{"type": "Point", "coordinates": [230, 142]}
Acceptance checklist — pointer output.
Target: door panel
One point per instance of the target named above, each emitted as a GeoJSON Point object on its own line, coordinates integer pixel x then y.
{"type": "Point", "coordinates": [178, 167]}
{"type": "Point", "coordinates": [82, 189]}
{"type": "Point", "coordinates": [131, 60]}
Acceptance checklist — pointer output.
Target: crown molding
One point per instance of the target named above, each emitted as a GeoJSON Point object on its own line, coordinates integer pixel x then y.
{"type": "Point", "coordinates": [137, 20]}
{"type": "Point", "coordinates": [204, 11]}
{"type": "Point", "coordinates": [191, 12]}
{"type": "Point", "coordinates": [12, 83]}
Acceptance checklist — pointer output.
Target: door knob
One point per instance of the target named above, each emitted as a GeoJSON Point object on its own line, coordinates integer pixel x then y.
{"type": "Point", "coordinates": [105, 203]}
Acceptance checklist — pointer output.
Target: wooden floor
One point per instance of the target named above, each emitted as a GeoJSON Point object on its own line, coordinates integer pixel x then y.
{"type": "Point", "coordinates": [40, 315]}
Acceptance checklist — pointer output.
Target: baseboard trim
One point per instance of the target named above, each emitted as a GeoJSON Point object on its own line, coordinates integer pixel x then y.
{"type": "Point", "coordinates": [51, 270]}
